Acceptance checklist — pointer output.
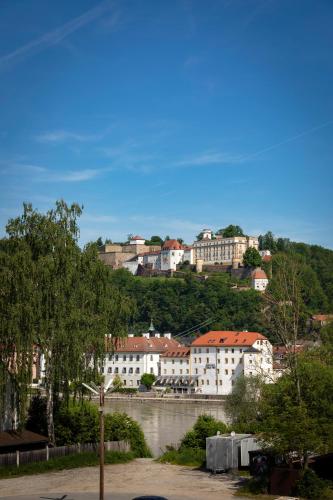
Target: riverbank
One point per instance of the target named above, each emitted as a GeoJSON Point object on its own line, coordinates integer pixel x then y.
{"type": "Point", "coordinates": [124, 481]}
{"type": "Point", "coordinates": [170, 399]}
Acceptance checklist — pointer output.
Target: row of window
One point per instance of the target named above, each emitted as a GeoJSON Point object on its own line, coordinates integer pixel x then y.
{"type": "Point", "coordinates": [225, 350]}
{"type": "Point", "coordinates": [180, 361]}
{"type": "Point", "coordinates": [130, 370]}
{"type": "Point", "coordinates": [173, 371]}
{"type": "Point", "coordinates": [226, 360]}
{"type": "Point", "coordinates": [116, 357]}
{"type": "Point", "coordinates": [219, 382]}
{"type": "Point", "coordinates": [226, 371]}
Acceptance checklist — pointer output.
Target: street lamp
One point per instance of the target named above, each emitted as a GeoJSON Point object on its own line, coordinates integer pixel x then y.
{"type": "Point", "coordinates": [100, 391]}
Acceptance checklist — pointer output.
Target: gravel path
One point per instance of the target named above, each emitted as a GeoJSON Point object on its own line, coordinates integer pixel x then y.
{"type": "Point", "coordinates": [122, 482]}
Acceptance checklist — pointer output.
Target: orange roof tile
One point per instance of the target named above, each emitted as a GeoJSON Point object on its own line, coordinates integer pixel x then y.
{"type": "Point", "coordinates": [227, 338]}
{"type": "Point", "coordinates": [259, 274]}
{"type": "Point", "coordinates": [180, 352]}
{"type": "Point", "coordinates": [142, 344]}
{"type": "Point", "coordinates": [172, 245]}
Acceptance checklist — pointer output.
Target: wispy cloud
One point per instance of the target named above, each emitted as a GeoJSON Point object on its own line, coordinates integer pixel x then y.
{"type": "Point", "coordinates": [55, 36]}
{"type": "Point", "coordinates": [209, 158]}
{"type": "Point", "coordinates": [73, 175]}
{"type": "Point", "coordinates": [60, 136]}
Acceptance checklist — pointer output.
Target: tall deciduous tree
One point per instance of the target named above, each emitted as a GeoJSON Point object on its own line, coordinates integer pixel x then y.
{"type": "Point", "coordinates": [231, 231]}
{"type": "Point", "coordinates": [72, 303]}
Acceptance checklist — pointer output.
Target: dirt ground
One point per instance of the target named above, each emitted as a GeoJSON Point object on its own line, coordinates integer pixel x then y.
{"type": "Point", "coordinates": [123, 482]}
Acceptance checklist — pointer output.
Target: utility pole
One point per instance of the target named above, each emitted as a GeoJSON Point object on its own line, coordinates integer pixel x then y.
{"type": "Point", "coordinates": [100, 391]}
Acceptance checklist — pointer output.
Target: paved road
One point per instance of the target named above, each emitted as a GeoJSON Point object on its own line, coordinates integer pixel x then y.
{"type": "Point", "coordinates": [122, 482]}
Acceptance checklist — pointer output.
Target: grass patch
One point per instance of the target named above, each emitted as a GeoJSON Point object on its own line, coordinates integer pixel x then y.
{"type": "Point", "coordinates": [253, 488]}
{"type": "Point", "coordinates": [186, 456]}
{"type": "Point", "coordinates": [67, 462]}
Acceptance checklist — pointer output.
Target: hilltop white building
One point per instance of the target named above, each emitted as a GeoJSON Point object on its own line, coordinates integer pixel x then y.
{"type": "Point", "coordinates": [228, 251]}
{"type": "Point", "coordinates": [259, 279]}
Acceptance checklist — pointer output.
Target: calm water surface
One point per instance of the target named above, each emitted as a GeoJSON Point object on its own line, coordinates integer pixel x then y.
{"type": "Point", "coordinates": [165, 423]}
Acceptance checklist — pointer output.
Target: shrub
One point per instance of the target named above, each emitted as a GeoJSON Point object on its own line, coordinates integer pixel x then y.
{"type": "Point", "coordinates": [313, 487]}
{"type": "Point", "coordinates": [76, 423]}
{"type": "Point", "coordinates": [119, 426]}
{"type": "Point", "coordinates": [148, 379]}
{"type": "Point", "coordinates": [204, 427]}
{"type": "Point", "coordinates": [185, 456]}
{"type": "Point", "coordinates": [126, 390]}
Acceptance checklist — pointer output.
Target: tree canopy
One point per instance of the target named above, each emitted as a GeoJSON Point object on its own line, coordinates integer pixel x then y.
{"type": "Point", "coordinates": [252, 258]}
{"type": "Point", "coordinates": [231, 231]}
{"type": "Point", "coordinates": [58, 299]}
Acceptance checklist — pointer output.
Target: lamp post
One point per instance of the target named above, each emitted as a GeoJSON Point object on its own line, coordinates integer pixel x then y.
{"type": "Point", "coordinates": [100, 391]}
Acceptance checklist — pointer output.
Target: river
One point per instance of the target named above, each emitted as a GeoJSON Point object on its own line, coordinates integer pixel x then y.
{"type": "Point", "coordinates": [165, 422]}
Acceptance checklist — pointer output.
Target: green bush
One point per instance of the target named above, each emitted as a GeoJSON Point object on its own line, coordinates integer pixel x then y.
{"type": "Point", "coordinates": [126, 390]}
{"type": "Point", "coordinates": [193, 457]}
{"type": "Point", "coordinates": [119, 426]}
{"type": "Point", "coordinates": [148, 379]}
{"type": "Point", "coordinates": [313, 487]}
{"type": "Point", "coordinates": [204, 427]}
{"type": "Point", "coordinates": [78, 422]}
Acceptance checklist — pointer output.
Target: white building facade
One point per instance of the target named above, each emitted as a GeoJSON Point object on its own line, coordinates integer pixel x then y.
{"type": "Point", "coordinates": [219, 358]}
{"type": "Point", "coordinates": [227, 251]}
{"type": "Point", "coordinates": [259, 280]}
{"type": "Point", "coordinates": [135, 356]}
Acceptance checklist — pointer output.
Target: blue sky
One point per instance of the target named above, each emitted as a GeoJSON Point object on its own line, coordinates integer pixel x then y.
{"type": "Point", "coordinates": [164, 117]}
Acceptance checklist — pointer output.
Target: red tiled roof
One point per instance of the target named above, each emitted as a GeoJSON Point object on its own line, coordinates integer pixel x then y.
{"type": "Point", "coordinates": [137, 238]}
{"type": "Point", "coordinates": [142, 344]}
{"type": "Point", "coordinates": [227, 338]}
{"type": "Point", "coordinates": [259, 274]}
{"type": "Point", "coordinates": [172, 245]}
{"type": "Point", "coordinates": [181, 352]}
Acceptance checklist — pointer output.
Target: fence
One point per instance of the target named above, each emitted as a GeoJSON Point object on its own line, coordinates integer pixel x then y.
{"type": "Point", "coordinates": [27, 457]}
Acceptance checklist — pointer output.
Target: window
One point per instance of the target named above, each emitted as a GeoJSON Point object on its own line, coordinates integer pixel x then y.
{"type": "Point", "coordinates": [241, 360]}
{"type": "Point", "coordinates": [130, 370]}
{"type": "Point", "coordinates": [181, 371]}
{"type": "Point", "coordinates": [110, 370]}
{"type": "Point", "coordinates": [124, 370]}
{"type": "Point", "coordinates": [124, 357]}
{"type": "Point", "coordinates": [196, 371]}
{"type": "Point", "coordinates": [205, 371]}
{"type": "Point", "coordinates": [110, 357]}
{"type": "Point", "coordinates": [195, 360]}
{"type": "Point", "coordinates": [181, 361]}
{"type": "Point", "coordinates": [194, 350]}
{"type": "Point", "coordinates": [199, 360]}
{"type": "Point", "coordinates": [240, 350]}
{"type": "Point", "coordinates": [232, 350]}
{"type": "Point", "coordinates": [116, 357]}
{"type": "Point", "coordinates": [207, 360]}
{"type": "Point", "coordinates": [207, 382]}
{"type": "Point", "coordinates": [199, 350]}
{"type": "Point", "coordinates": [226, 350]}
{"type": "Point", "coordinates": [131, 357]}
{"type": "Point", "coordinates": [116, 370]}
{"type": "Point", "coordinates": [151, 357]}
{"type": "Point", "coordinates": [187, 370]}
{"type": "Point", "coordinates": [137, 370]}
{"type": "Point", "coordinates": [233, 372]}
{"type": "Point", "coordinates": [233, 360]}
{"type": "Point", "coordinates": [218, 371]}
{"type": "Point", "coordinates": [250, 361]}
{"type": "Point", "coordinates": [173, 372]}
{"type": "Point", "coordinates": [220, 382]}
{"type": "Point", "coordinates": [219, 361]}
{"type": "Point", "coordinates": [187, 361]}
{"type": "Point", "coordinates": [102, 369]}
{"type": "Point", "coordinates": [202, 382]}
{"type": "Point", "coordinates": [226, 361]}
{"type": "Point", "coordinates": [138, 357]}
{"type": "Point", "coordinates": [138, 382]}
{"type": "Point", "coordinates": [217, 350]}
{"type": "Point", "coordinates": [124, 382]}
{"type": "Point", "coordinates": [151, 370]}
{"type": "Point", "coordinates": [207, 350]}
{"type": "Point", "coordinates": [250, 373]}
{"type": "Point", "coordinates": [173, 361]}
{"type": "Point", "coordinates": [226, 372]}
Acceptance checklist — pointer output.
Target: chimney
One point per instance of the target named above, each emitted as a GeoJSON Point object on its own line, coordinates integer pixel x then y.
{"type": "Point", "coordinates": [167, 335]}
{"type": "Point", "coordinates": [146, 335]}
{"type": "Point", "coordinates": [157, 335]}
{"type": "Point", "coordinates": [130, 335]}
